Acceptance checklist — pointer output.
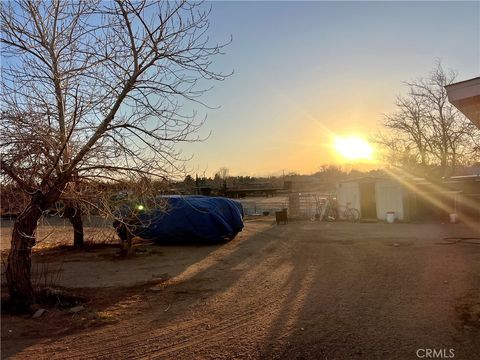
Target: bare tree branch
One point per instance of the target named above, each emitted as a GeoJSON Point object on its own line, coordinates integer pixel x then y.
{"type": "Point", "coordinates": [426, 131]}
{"type": "Point", "coordinates": [96, 89]}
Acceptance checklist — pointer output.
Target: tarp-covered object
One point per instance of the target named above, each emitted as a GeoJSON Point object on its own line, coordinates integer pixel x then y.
{"type": "Point", "coordinates": [199, 219]}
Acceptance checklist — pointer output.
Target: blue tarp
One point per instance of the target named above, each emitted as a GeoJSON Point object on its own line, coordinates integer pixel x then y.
{"type": "Point", "coordinates": [199, 219]}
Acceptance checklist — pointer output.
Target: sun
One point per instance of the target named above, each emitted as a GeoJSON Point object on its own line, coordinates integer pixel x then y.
{"type": "Point", "coordinates": [353, 148]}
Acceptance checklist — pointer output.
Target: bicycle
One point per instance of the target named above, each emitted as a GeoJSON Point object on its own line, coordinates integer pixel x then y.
{"type": "Point", "coordinates": [324, 210]}
{"type": "Point", "coordinates": [350, 213]}
{"type": "Point", "coordinates": [329, 211]}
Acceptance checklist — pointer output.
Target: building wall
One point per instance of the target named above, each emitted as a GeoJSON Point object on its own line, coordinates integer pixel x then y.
{"type": "Point", "coordinates": [419, 202]}
{"type": "Point", "coordinates": [348, 192]}
{"type": "Point", "coordinates": [389, 197]}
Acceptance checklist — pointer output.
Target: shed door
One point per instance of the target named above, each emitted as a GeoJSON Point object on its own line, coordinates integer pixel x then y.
{"type": "Point", "coordinates": [368, 206]}
{"type": "Point", "coordinates": [389, 198]}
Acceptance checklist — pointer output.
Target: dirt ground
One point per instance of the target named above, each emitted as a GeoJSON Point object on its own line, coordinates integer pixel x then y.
{"type": "Point", "coordinates": [305, 290]}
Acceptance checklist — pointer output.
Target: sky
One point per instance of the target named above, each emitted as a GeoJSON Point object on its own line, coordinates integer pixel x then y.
{"type": "Point", "coordinates": [305, 72]}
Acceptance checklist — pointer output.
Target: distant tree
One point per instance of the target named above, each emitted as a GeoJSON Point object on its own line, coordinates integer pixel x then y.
{"type": "Point", "coordinates": [330, 173]}
{"type": "Point", "coordinates": [93, 91]}
{"type": "Point", "coordinates": [189, 183]}
{"type": "Point", "coordinates": [223, 173]}
{"type": "Point", "coordinates": [189, 180]}
{"type": "Point", "coordinates": [221, 177]}
{"type": "Point", "coordinates": [426, 133]}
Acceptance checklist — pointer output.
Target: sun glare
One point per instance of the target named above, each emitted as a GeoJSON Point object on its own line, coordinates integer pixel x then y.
{"type": "Point", "coordinates": [353, 148]}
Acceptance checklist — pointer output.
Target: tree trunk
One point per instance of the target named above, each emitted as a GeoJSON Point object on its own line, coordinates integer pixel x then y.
{"type": "Point", "coordinates": [74, 214]}
{"type": "Point", "coordinates": [18, 272]}
{"type": "Point", "coordinates": [125, 235]}
{"type": "Point", "coordinates": [454, 162]}
{"type": "Point", "coordinates": [444, 164]}
{"type": "Point", "coordinates": [126, 246]}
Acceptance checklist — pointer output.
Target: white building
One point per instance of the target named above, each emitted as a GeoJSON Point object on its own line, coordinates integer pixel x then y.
{"type": "Point", "coordinates": [373, 197]}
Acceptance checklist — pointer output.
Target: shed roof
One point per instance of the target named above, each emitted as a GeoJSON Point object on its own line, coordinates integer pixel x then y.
{"type": "Point", "coordinates": [364, 179]}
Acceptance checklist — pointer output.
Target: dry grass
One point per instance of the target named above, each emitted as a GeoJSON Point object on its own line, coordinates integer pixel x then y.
{"type": "Point", "coordinates": [55, 232]}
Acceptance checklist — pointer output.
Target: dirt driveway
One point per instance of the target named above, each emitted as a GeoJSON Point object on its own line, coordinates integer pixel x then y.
{"type": "Point", "coordinates": [296, 291]}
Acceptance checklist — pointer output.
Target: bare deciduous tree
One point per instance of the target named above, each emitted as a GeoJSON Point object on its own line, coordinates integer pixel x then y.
{"type": "Point", "coordinates": [93, 91]}
{"type": "Point", "coordinates": [427, 131]}
{"type": "Point", "coordinates": [220, 179]}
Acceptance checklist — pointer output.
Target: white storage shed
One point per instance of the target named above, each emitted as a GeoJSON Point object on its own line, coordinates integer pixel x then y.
{"type": "Point", "coordinates": [373, 197]}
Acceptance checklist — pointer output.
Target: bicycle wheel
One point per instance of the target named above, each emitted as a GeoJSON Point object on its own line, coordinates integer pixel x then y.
{"type": "Point", "coordinates": [331, 214]}
{"type": "Point", "coordinates": [352, 215]}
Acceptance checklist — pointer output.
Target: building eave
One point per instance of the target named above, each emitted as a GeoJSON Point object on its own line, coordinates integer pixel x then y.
{"type": "Point", "coordinates": [465, 96]}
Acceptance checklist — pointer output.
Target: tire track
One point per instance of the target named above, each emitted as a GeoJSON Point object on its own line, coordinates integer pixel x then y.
{"type": "Point", "coordinates": [191, 332]}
